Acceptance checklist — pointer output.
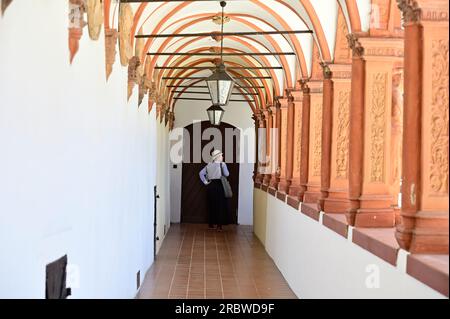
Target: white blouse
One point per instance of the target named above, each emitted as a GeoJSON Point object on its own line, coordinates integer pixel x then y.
{"type": "Point", "coordinates": [213, 171]}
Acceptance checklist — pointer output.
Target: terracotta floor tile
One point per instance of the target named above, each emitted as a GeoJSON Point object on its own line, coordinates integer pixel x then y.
{"type": "Point", "coordinates": [196, 263]}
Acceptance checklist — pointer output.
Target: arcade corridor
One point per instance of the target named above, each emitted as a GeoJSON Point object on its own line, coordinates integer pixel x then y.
{"type": "Point", "coordinates": [338, 119]}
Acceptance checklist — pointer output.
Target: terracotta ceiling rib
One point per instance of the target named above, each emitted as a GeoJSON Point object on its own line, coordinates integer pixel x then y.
{"type": "Point", "coordinates": [268, 93]}
{"type": "Point", "coordinates": [205, 17]}
{"type": "Point", "coordinates": [248, 62]}
{"type": "Point", "coordinates": [235, 17]}
{"type": "Point", "coordinates": [259, 97]}
{"type": "Point", "coordinates": [256, 60]}
{"type": "Point", "coordinates": [263, 61]}
{"type": "Point", "coordinates": [261, 93]}
{"type": "Point", "coordinates": [225, 34]}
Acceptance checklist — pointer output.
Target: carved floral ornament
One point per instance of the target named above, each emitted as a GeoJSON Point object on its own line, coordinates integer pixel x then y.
{"type": "Point", "coordinates": [377, 127]}
{"type": "Point", "coordinates": [439, 119]}
{"type": "Point", "coordinates": [355, 45]}
{"type": "Point", "coordinates": [343, 128]}
{"type": "Point", "coordinates": [410, 9]}
{"type": "Point", "coordinates": [304, 86]}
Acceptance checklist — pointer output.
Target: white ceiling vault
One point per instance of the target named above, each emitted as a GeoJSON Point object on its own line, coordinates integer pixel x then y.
{"type": "Point", "coordinates": [174, 17]}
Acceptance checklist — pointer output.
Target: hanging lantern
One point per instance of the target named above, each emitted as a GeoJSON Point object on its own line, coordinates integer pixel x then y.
{"type": "Point", "coordinates": [215, 114]}
{"type": "Point", "coordinates": [220, 85]}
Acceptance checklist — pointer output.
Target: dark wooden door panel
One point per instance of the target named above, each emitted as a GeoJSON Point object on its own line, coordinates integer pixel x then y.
{"type": "Point", "coordinates": [194, 207]}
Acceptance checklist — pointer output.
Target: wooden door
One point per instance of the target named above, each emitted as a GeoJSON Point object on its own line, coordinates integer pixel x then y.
{"type": "Point", "coordinates": [194, 207]}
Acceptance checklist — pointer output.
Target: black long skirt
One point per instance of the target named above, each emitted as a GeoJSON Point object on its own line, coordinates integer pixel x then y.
{"type": "Point", "coordinates": [217, 204]}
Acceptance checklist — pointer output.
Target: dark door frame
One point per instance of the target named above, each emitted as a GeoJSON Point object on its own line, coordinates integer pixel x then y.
{"type": "Point", "coordinates": [196, 198]}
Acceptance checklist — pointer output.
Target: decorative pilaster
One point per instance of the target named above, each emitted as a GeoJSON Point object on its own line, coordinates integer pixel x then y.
{"type": "Point", "coordinates": [275, 178]}
{"type": "Point", "coordinates": [356, 143]}
{"type": "Point", "coordinates": [261, 147]}
{"type": "Point", "coordinates": [304, 155]}
{"type": "Point", "coordinates": [336, 200]}
{"type": "Point", "coordinates": [375, 60]}
{"type": "Point", "coordinates": [425, 186]}
{"type": "Point", "coordinates": [312, 193]}
{"type": "Point", "coordinates": [287, 135]}
{"type": "Point", "coordinates": [327, 128]}
{"type": "Point", "coordinates": [255, 169]}
{"type": "Point", "coordinates": [268, 114]}
{"type": "Point", "coordinates": [297, 144]}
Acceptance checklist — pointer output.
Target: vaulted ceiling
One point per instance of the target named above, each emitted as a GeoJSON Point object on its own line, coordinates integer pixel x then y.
{"type": "Point", "coordinates": [322, 17]}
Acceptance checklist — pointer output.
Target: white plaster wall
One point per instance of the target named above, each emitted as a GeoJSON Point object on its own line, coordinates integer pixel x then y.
{"type": "Point", "coordinates": [163, 182]}
{"type": "Point", "coordinates": [237, 114]}
{"type": "Point", "coordinates": [77, 163]}
{"type": "Point", "coordinates": [260, 215]}
{"type": "Point", "coordinates": [318, 263]}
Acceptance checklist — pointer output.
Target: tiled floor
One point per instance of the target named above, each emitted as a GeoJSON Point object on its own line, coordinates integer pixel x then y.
{"type": "Point", "coordinates": [197, 263]}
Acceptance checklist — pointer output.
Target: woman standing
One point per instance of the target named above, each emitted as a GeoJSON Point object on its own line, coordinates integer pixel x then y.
{"type": "Point", "coordinates": [217, 203]}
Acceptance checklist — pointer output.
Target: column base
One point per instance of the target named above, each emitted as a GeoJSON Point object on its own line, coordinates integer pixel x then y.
{"type": "Point", "coordinates": [375, 218]}
{"type": "Point", "coordinates": [259, 178]}
{"type": "Point", "coordinates": [266, 179]}
{"type": "Point", "coordinates": [398, 217]}
{"type": "Point", "coordinates": [375, 211]}
{"type": "Point", "coordinates": [337, 202]}
{"type": "Point", "coordinates": [430, 233]}
{"type": "Point", "coordinates": [283, 185]}
{"type": "Point", "coordinates": [313, 194]}
{"type": "Point", "coordinates": [274, 181]}
{"type": "Point", "coordinates": [294, 188]}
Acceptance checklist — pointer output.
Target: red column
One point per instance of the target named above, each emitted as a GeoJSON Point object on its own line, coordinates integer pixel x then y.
{"type": "Point", "coordinates": [275, 179]}
{"type": "Point", "coordinates": [304, 160]}
{"type": "Point", "coordinates": [425, 186]}
{"type": "Point", "coordinates": [312, 193]}
{"type": "Point", "coordinates": [294, 189]}
{"type": "Point", "coordinates": [286, 108]}
{"type": "Point", "coordinates": [356, 129]}
{"type": "Point", "coordinates": [255, 170]}
{"type": "Point", "coordinates": [336, 197]}
{"type": "Point", "coordinates": [269, 145]}
{"type": "Point", "coordinates": [261, 147]}
{"type": "Point", "coordinates": [370, 130]}
{"type": "Point", "coordinates": [327, 130]}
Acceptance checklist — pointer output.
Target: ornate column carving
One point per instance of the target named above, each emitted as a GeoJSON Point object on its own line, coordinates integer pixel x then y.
{"type": "Point", "coordinates": [396, 139]}
{"type": "Point", "coordinates": [261, 146]}
{"type": "Point", "coordinates": [327, 128]}
{"type": "Point", "coordinates": [287, 135]}
{"type": "Point", "coordinates": [304, 154]}
{"type": "Point", "coordinates": [370, 130]}
{"type": "Point", "coordinates": [268, 114]}
{"type": "Point", "coordinates": [337, 199]}
{"type": "Point", "coordinates": [312, 193]}
{"type": "Point", "coordinates": [275, 179]}
{"type": "Point", "coordinates": [297, 144]}
{"type": "Point", "coordinates": [423, 226]}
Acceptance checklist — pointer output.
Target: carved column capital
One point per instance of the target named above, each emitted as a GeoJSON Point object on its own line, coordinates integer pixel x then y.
{"type": "Point", "coordinates": [261, 118]}
{"type": "Point", "coordinates": [290, 97]}
{"type": "Point", "coordinates": [410, 9]}
{"type": "Point", "coordinates": [355, 45]}
{"type": "Point", "coordinates": [304, 86]}
{"type": "Point", "coordinates": [327, 74]}
{"type": "Point", "coordinates": [268, 110]}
